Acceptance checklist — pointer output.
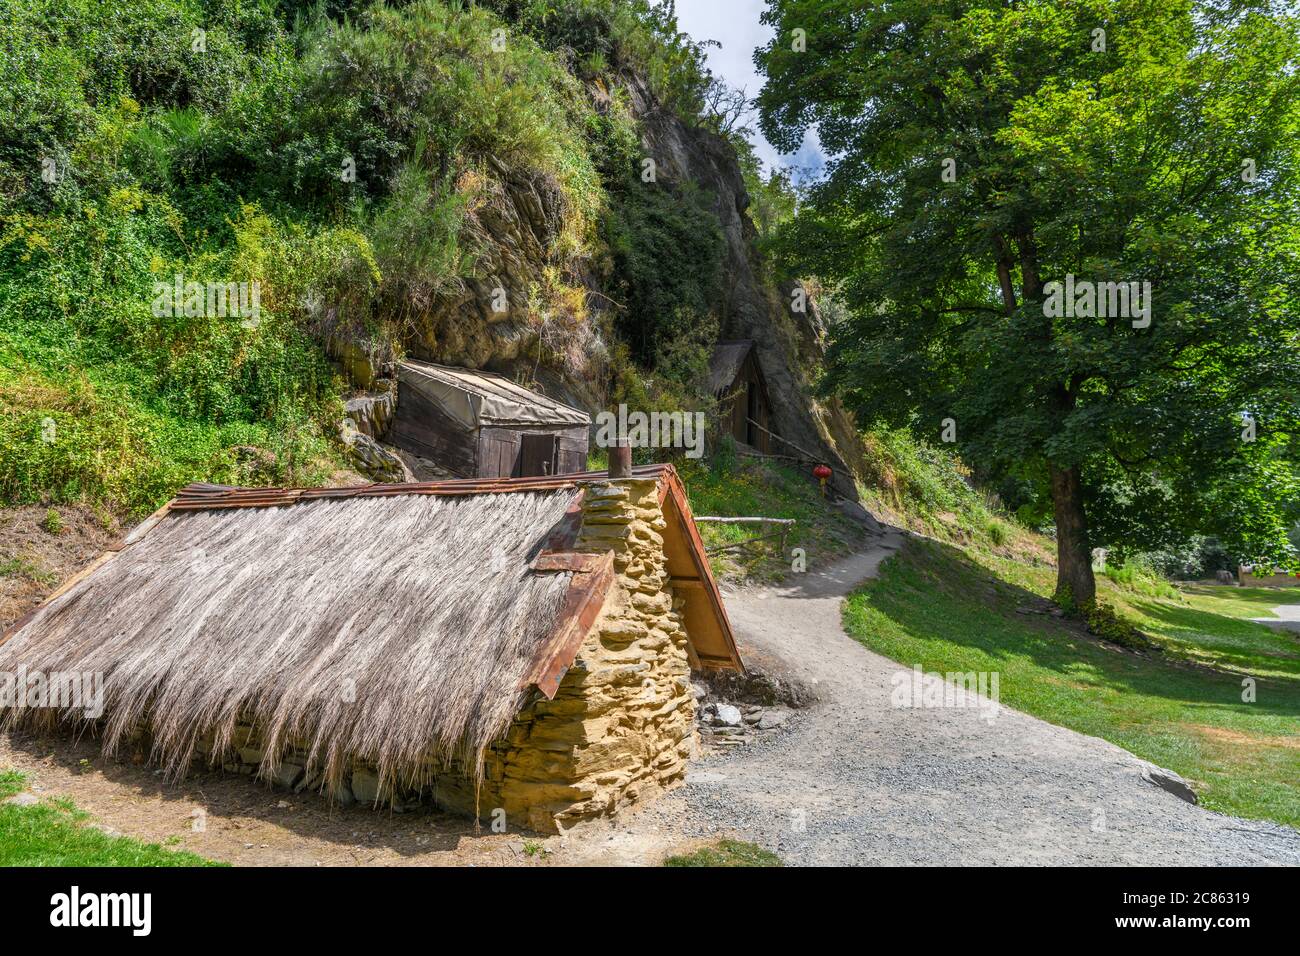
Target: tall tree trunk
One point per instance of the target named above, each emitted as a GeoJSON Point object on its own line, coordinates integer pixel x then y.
{"type": "Point", "coordinates": [1074, 581]}
{"type": "Point", "coordinates": [1003, 257]}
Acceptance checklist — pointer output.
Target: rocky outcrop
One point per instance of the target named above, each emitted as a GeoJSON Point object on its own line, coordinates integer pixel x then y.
{"type": "Point", "coordinates": [372, 412]}
{"type": "Point", "coordinates": [370, 457]}
{"type": "Point", "coordinates": [512, 229]}
{"type": "Point", "coordinates": [788, 342]}
{"type": "Point", "coordinates": [367, 416]}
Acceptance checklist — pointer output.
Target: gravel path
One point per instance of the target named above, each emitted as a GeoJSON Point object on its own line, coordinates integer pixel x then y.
{"type": "Point", "coordinates": [1287, 618]}
{"type": "Point", "coordinates": [854, 780]}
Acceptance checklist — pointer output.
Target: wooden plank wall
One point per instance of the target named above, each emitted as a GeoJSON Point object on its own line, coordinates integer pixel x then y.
{"type": "Point", "coordinates": [749, 376]}
{"type": "Point", "coordinates": [423, 428]}
{"type": "Point", "coordinates": [573, 450]}
{"type": "Point", "coordinates": [498, 452]}
{"type": "Point", "coordinates": [499, 449]}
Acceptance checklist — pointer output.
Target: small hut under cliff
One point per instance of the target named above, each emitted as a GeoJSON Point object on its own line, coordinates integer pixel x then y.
{"type": "Point", "coordinates": [522, 644]}
{"type": "Point", "coordinates": [736, 380]}
{"type": "Point", "coordinates": [478, 424]}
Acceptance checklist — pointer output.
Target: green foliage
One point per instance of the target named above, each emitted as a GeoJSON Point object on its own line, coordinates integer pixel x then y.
{"type": "Point", "coordinates": [104, 399]}
{"type": "Point", "coordinates": [1140, 577]}
{"type": "Point", "coordinates": [52, 834]}
{"type": "Point", "coordinates": [1116, 165]}
{"type": "Point", "coordinates": [619, 35]}
{"type": "Point", "coordinates": [1197, 557]}
{"type": "Point", "coordinates": [666, 245]}
{"type": "Point", "coordinates": [23, 568]}
{"type": "Point", "coordinates": [433, 74]}
{"type": "Point", "coordinates": [930, 490]}
{"type": "Point", "coordinates": [728, 486]}
{"type": "Point", "coordinates": [1104, 622]}
{"type": "Point", "coordinates": [726, 853]}
{"type": "Point", "coordinates": [52, 522]}
{"type": "Point", "coordinates": [535, 848]}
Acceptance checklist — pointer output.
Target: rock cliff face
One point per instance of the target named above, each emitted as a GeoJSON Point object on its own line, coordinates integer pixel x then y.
{"type": "Point", "coordinates": [788, 342]}
{"type": "Point", "coordinates": [485, 323]}
{"type": "Point", "coordinates": [511, 230]}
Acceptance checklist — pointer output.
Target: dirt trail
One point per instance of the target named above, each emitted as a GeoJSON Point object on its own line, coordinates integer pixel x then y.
{"type": "Point", "coordinates": [858, 781]}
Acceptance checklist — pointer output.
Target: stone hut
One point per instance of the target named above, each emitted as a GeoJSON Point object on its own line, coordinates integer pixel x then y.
{"type": "Point", "coordinates": [522, 644]}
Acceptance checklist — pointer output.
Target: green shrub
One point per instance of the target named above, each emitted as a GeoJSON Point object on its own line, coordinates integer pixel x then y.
{"type": "Point", "coordinates": [620, 35]}
{"type": "Point", "coordinates": [726, 853]}
{"type": "Point", "coordinates": [666, 245]}
{"type": "Point", "coordinates": [1138, 576]}
{"type": "Point", "coordinates": [1104, 622]}
{"type": "Point", "coordinates": [52, 522]}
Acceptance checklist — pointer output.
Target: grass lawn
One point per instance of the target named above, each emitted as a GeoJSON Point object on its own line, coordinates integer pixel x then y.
{"type": "Point", "coordinates": [950, 609]}
{"type": "Point", "coordinates": [726, 853]}
{"type": "Point", "coordinates": [51, 834]}
{"type": "Point", "coordinates": [1239, 602]}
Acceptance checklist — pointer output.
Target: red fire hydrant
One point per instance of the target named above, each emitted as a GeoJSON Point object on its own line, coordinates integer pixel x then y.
{"type": "Point", "coordinates": [823, 474]}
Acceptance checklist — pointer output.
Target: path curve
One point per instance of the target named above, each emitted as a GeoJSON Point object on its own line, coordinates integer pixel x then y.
{"type": "Point", "coordinates": [1286, 617]}
{"type": "Point", "coordinates": [875, 784]}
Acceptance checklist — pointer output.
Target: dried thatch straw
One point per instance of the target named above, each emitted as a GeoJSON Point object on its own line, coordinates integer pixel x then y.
{"type": "Point", "coordinates": [388, 629]}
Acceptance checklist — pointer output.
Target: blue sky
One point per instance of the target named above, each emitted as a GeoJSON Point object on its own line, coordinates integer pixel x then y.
{"type": "Point", "coordinates": [734, 23]}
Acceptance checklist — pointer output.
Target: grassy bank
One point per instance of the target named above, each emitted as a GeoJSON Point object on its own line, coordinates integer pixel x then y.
{"type": "Point", "coordinates": [51, 833]}
{"type": "Point", "coordinates": [730, 486]}
{"type": "Point", "coordinates": [952, 609]}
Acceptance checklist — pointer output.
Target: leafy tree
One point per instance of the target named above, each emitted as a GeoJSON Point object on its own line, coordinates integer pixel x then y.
{"type": "Point", "coordinates": [666, 248]}
{"type": "Point", "coordinates": [988, 155]}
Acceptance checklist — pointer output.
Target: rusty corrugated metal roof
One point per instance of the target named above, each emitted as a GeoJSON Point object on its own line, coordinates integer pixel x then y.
{"type": "Point", "coordinates": [198, 497]}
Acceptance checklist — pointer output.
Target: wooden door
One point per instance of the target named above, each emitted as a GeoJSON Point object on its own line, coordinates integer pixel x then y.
{"type": "Point", "coordinates": [539, 455]}
{"type": "Point", "coordinates": [752, 434]}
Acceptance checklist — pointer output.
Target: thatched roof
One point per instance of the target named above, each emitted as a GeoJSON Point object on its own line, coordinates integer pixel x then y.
{"type": "Point", "coordinates": [475, 398]}
{"type": "Point", "coordinates": [381, 622]}
{"type": "Point", "coordinates": [724, 365]}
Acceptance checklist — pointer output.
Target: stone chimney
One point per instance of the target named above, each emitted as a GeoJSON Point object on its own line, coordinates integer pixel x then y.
{"type": "Point", "coordinates": [620, 460]}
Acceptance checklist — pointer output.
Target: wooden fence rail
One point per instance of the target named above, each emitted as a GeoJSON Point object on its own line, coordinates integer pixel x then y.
{"type": "Point", "coordinates": [783, 529]}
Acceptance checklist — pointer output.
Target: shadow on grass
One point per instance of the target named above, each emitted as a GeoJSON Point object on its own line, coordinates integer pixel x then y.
{"type": "Point", "coordinates": [1263, 599]}
{"type": "Point", "coordinates": [945, 611]}
{"type": "Point", "coordinates": [1237, 644]}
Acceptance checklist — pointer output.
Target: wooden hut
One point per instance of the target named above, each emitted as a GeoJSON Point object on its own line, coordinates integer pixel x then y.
{"type": "Point", "coordinates": [478, 424]}
{"type": "Point", "coordinates": [736, 380]}
{"type": "Point", "coordinates": [516, 644]}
